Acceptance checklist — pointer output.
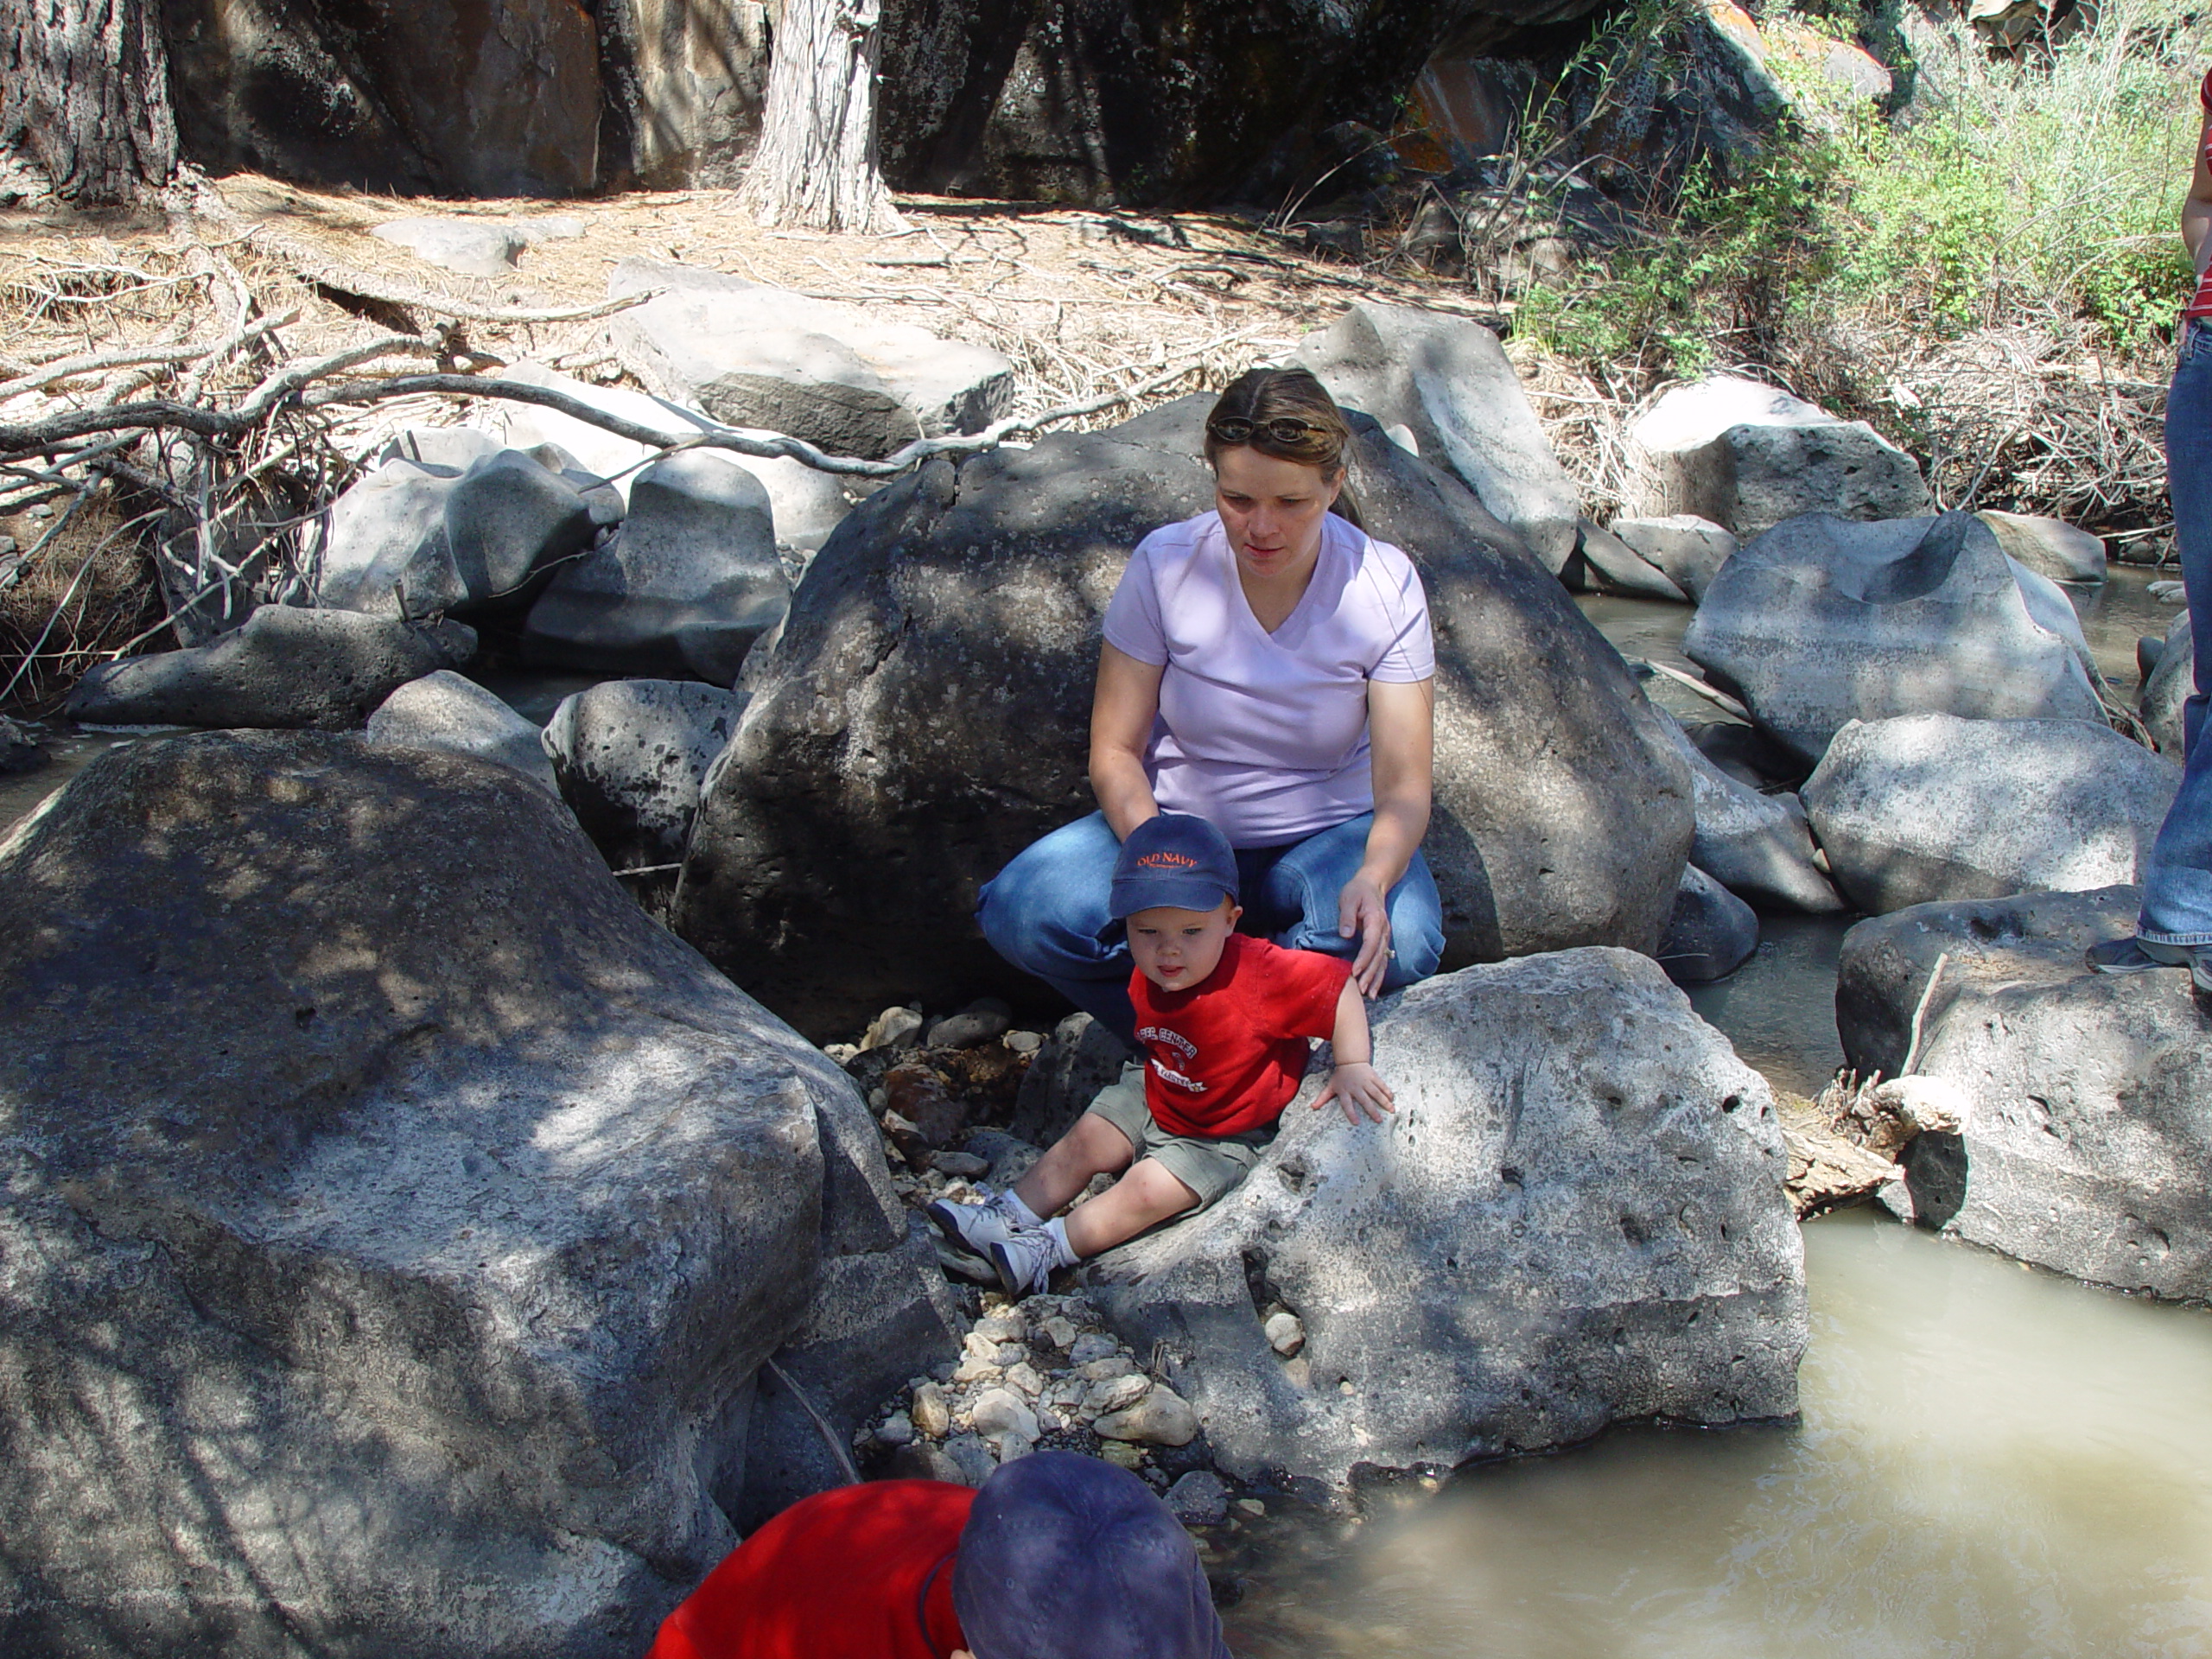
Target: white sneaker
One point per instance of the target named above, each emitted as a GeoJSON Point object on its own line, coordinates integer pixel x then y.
{"type": "Point", "coordinates": [972, 1229]}
{"type": "Point", "coordinates": [1025, 1260]}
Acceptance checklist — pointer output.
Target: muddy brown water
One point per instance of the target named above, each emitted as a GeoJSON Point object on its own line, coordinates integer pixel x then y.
{"type": "Point", "coordinates": [1993, 1463]}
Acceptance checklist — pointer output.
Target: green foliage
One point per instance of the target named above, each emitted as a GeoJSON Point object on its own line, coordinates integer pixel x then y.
{"type": "Point", "coordinates": [2054, 179]}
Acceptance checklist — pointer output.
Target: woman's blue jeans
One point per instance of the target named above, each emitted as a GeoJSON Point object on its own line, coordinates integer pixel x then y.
{"type": "Point", "coordinates": [1047, 911]}
{"type": "Point", "coordinates": [2178, 878]}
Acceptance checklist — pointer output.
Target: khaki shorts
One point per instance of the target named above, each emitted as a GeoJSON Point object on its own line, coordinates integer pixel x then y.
{"type": "Point", "coordinates": [1210, 1167]}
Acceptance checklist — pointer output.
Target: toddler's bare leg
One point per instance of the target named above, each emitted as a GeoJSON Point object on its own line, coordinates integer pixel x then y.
{"type": "Point", "coordinates": [1145, 1197]}
{"type": "Point", "coordinates": [1093, 1146]}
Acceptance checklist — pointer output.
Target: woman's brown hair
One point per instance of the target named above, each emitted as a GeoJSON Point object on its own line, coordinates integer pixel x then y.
{"type": "Point", "coordinates": [1260, 396]}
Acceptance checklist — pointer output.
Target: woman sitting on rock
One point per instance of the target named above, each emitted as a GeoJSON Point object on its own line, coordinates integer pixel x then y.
{"type": "Point", "coordinates": [1268, 666]}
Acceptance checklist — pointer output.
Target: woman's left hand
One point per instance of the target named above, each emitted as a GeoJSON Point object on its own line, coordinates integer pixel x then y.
{"type": "Point", "coordinates": [1362, 912]}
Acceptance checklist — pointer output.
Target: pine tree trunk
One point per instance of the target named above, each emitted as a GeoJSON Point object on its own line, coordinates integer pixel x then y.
{"type": "Point", "coordinates": [815, 165]}
{"type": "Point", "coordinates": [84, 93]}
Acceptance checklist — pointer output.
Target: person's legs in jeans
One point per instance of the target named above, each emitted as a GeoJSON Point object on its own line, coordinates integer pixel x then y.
{"type": "Point", "coordinates": [2177, 878]}
{"type": "Point", "coordinates": [1047, 911]}
{"type": "Point", "coordinates": [1293, 894]}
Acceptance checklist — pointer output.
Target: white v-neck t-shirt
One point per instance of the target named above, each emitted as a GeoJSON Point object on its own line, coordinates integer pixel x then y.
{"type": "Point", "coordinates": [1265, 734]}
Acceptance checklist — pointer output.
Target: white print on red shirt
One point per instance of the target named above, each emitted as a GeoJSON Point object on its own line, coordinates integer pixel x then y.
{"type": "Point", "coordinates": [1174, 1040]}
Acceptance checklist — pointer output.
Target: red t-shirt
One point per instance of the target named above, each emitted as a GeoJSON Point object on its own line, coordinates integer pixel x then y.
{"type": "Point", "coordinates": [2201, 305]}
{"type": "Point", "coordinates": [858, 1573]}
{"type": "Point", "coordinates": [1224, 1056]}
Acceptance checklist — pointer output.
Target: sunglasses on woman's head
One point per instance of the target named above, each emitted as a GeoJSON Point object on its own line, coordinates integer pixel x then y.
{"type": "Point", "coordinates": [1235, 428]}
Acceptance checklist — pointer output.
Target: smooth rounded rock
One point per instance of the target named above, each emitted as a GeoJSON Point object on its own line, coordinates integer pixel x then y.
{"type": "Point", "coordinates": [630, 757]}
{"type": "Point", "coordinates": [1163, 1417]}
{"type": "Point", "coordinates": [1711, 934]}
{"type": "Point", "coordinates": [446, 711]}
{"type": "Point", "coordinates": [1689, 549]}
{"type": "Point", "coordinates": [2170, 686]}
{"type": "Point", "coordinates": [1932, 807]}
{"type": "Point", "coordinates": [2050, 547]}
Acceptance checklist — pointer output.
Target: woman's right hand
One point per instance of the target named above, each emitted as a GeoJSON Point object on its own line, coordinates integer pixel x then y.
{"type": "Point", "coordinates": [1123, 709]}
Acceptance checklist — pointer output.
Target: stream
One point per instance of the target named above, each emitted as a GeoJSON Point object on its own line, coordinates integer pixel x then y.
{"type": "Point", "coordinates": [1993, 1462]}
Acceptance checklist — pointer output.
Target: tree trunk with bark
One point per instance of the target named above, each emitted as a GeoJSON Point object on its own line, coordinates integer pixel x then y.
{"type": "Point", "coordinates": [85, 94]}
{"type": "Point", "coordinates": [815, 166]}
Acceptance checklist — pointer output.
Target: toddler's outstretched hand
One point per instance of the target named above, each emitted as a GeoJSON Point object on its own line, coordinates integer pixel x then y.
{"type": "Point", "coordinates": [1358, 1087]}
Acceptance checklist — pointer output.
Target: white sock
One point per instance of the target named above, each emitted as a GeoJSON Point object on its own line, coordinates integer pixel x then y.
{"type": "Point", "coordinates": [1063, 1253]}
{"type": "Point", "coordinates": [1015, 1210]}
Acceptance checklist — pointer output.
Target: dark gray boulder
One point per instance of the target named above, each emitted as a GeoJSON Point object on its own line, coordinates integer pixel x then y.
{"type": "Point", "coordinates": [1080, 1058]}
{"type": "Point", "coordinates": [284, 668]}
{"type": "Point", "coordinates": [1603, 561]}
{"type": "Point", "coordinates": [513, 513]}
{"type": "Point", "coordinates": [686, 585]}
{"type": "Point", "coordinates": [2087, 1145]}
{"type": "Point", "coordinates": [629, 756]}
{"type": "Point", "coordinates": [1821, 621]}
{"type": "Point", "coordinates": [1711, 934]}
{"type": "Point", "coordinates": [391, 1212]}
{"type": "Point", "coordinates": [1933, 807]}
{"type": "Point", "coordinates": [923, 716]}
{"type": "Point", "coordinates": [1576, 1218]}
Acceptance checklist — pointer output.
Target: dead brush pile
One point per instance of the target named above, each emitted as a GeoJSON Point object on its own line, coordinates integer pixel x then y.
{"type": "Point", "coordinates": [181, 401]}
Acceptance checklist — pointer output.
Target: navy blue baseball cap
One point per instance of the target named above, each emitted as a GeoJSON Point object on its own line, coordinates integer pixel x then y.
{"type": "Point", "coordinates": [1173, 859]}
{"type": "Point", "coordinates": [1065, 1555]}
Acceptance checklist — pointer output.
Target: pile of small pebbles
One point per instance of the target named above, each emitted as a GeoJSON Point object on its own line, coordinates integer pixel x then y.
{"type": "Point", "coordinates": [1044, 1372]}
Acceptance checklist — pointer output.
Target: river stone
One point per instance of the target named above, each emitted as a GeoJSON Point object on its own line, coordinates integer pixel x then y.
{"type": "Point", "coordinates": [1689, 549]}
{"type": "Point", "coordinates": [877, 1315]}
{"type": "Point", "coordinates": [513, 513]}
{"type": "Point", "coordinates": [446, 711]}
{"type": "Point", "coordinates": [923, 716]}
{"type": "Point", "coordinates": [1757, 846]}
{"type": "Point", "coordinates": [1821, 621]}
{"type": "Point", "coordinates": [1711, 934]}
{"type": "Point", "coordinates": [2167, 690]}
{"type": "Point", "coordinates": [1932, 807]}
{"type": "Point", "coordinates": [1448, 381]}
{"type": "Point", "coordinates": [1620, 567]}
{"type": "Point", "coordinates": [1575, 1218]}
{"type": "Point", "coordinates": [1748, 456]}
{"type": "Point", "coordinates": [686, 585]}
{"type": "Point", "coordinates": [2087, 1149]}
{"type": "Point", "coordinates": [385, 546]}
{"type": "Point", "coordinates": [284, 668]}
{"type": "Point", "coordinates": [2050, 547]}
{"type": "Point", "coordinates": [629, 756]}
{"type": "Point", "coordinates": [475, 247]}
{"type": "Point", "coordinates": [847, 379]}
{"type": "Point", "coordinates": [391, 1210]}
{"type": "Point", "coordinates": [807, 503]}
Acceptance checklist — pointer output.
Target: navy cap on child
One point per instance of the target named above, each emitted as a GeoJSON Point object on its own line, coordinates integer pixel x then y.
{"type": "Point", "coordinates": [1173, 859]}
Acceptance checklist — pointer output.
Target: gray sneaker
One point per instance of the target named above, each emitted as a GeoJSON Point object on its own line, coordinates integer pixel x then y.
{"type": "Point", "coordinates": [1025, 1260]}
{"type": "Point", "coordinates": [972, 1229]}
{"type": "Point", "coordinates": [2133, 955]}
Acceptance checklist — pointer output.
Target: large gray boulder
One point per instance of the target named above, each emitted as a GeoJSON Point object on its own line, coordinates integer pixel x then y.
{"type": "Point", "coordinates": [686, 585]}
{"type": "Point", "coordinates": [1747, 456]}
{"type": "Point", "coordinates": [2088, 1143]}
{"type": "Point", "coordinates": [1575, 1218]}
{"type": "Point", "coordinates": [446, 711]}
{"type": "Point", "coordinates": [1757, 846]}
{"type": "Point", "coordinates": [849, 379]}
{"type": "Point", "coordinates": [476, 247]}
{"type": "Point", "coordinates": [629, 756]}
{"type": "Point", "coordinates": [1447, 380]}
{"type": "Point", "coordinates": [1821, 621]}
{"type": "Point", "coordinates": [391, 1214]}
{"type": "Point", "coordinates": [923, 716]}
{"type": "Point", "coordinates": [2169, 687]}
{"type": "Point", "coordinates": [384, 548]}
{"type": "Point", "coordinates": [1932, 807]}
{"type": "Point", "coordinates": [808, 503]}
{"type": "Point", "coordinates": [284, 668]}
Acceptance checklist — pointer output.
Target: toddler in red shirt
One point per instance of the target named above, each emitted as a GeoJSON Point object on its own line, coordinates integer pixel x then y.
{"type": "Point", "coordinates": [1224, 1020]}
